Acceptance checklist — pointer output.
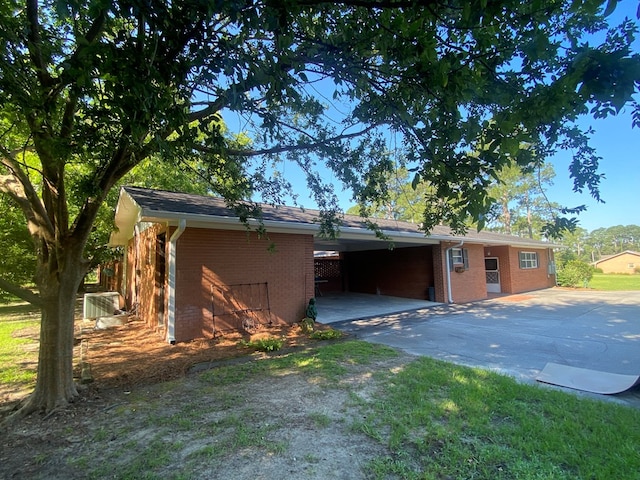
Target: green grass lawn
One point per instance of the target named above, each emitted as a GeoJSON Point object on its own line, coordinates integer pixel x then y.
{"type": "Point", "coordinates": [446, 421]}
{"type": "Point", "coordinates": [612, 281]}
{"type": "Point", "coordinates": [435, 420]}
{"type": "Point", "coordinates": [18, 354]}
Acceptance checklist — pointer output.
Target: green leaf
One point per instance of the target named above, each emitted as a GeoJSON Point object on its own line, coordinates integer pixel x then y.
{"type": "Point", "coordinates": [611, 6]}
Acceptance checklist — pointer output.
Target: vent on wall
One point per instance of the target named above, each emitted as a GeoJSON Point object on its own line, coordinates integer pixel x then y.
{"type": "Point", "coordinates": [98, 305]}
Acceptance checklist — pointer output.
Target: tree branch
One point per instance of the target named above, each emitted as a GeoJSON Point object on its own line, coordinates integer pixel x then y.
{"type": "Point", "coordinates": [20, 292]}
{"type": "Point", "coordinates": [117, 167]}
{"type": "Point", "coordinates": [290, 148]}
{"type": "Point", "coordinates": [34, 41]}
{"type": "Point", "coordinates": [21, 190]}
{"type": "Point", "coordinates": [211, 109]}
{"type": "Point", "coordinates": [70, 108]}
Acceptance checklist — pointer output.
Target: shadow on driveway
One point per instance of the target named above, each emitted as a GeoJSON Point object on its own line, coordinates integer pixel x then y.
{"type": "Point", "coordinates": [518, 335]}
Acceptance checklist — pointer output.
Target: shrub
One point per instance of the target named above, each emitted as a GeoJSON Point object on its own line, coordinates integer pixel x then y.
{"type": "Point", "coordinates": [307, 325]}
{"type": "Point", "coordinates": [270, 344]}
{"type": "Point", "coordinates": [574, 273]}
{"type": "Point", "coordinates": [326, 334]}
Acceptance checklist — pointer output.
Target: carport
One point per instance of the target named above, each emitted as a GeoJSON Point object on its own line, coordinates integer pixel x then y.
{"type": "Point", "coordinates": [357, 262]}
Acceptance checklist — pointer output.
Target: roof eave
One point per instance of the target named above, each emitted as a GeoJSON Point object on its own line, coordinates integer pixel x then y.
{"type": "Point", "coordinates": [126, 216]}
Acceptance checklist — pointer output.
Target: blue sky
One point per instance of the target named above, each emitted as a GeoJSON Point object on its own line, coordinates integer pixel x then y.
{"type": "Point", "coordinates": [619, 146]}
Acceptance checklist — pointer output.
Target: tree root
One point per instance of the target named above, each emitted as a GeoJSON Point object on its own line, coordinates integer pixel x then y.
{"type": "Point", "coordinates": [29, 405]}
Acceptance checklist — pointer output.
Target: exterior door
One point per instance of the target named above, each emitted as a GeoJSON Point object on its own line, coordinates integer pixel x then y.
{"type": "Point", "coordinates": [492, 272]}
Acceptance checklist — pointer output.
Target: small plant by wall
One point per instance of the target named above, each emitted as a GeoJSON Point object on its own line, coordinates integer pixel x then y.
{"type": "Point", "coordinates": [270, 344]}
{"type": "Point", "coordinates": [330, 334]}
{"type": "Point", "coordinates": [307, 325]}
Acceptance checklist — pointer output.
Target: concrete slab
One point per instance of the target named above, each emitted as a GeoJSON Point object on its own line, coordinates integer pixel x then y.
{"type": "Point", "coordinates": [587, 380]}
{"type": "Point", "coordinates": [338, 307]}
{"type": "Point", "coordinates": [519, 335]}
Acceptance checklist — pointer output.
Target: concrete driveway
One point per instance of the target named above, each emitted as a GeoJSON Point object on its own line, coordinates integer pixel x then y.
{"type": "Point", "coordinates": [518, 334]}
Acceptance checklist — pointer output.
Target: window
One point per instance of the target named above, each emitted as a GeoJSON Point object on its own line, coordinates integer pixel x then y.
{"type": "Point", "coordinates": [631, 265]}
{"type": "Point", "coordinates": [491, 264]}
{"type": "Point", "coordinates": [528, 260]}
{"type": "Point", "coordinates": [459, 256]}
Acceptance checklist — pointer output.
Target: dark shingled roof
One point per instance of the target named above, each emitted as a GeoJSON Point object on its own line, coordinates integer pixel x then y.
{"type": "Point", "coordinates": [160, 203]}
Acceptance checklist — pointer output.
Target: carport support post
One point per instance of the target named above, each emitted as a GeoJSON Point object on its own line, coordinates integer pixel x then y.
{"type": "Point", "coordinates": [171, 323]}
{"type": "Point", "coordinates": [448, 262]}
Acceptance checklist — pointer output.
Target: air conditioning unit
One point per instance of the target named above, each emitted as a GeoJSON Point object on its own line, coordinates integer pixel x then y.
{"type": "Point", "coordinates": [98, 305]}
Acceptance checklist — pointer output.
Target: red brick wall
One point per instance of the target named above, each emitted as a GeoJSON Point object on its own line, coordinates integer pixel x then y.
{"type": "Point", "coordinates": [129, 273]}
{"type": "Point", "coordinates": [439, 273]}
{"type": "Point", "coordinates": [402, 272]}
{"type": "Point", "coordinates": [222, 258]}
{"type": "Point", "coordinates": [503, 254]}
{"type": "Point", "coordinates": [470, 284]}
{"type": "Point", "coordinates": [523, 280]}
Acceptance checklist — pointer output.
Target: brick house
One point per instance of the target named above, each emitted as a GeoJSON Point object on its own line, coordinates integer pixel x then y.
{"type": "Point", "coordinates": [192, 269]}
{"type": "Point", "coordinates": [624, 262]}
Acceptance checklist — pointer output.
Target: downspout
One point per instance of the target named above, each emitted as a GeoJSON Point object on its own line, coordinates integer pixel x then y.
{"type": "Point", "coordinates": [446, 257]}
{"type": "Point", "coordinates": [551, 266]}
{"type": "Point", "coordinates": [171, 322]}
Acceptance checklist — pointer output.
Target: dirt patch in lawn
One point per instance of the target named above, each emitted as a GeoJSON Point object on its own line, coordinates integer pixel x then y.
{"type": "Point", "coordinates": [150, 414]}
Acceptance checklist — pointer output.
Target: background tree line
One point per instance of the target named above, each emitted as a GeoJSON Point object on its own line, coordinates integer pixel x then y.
{"type": "Point", "coordinates": [592, 246]}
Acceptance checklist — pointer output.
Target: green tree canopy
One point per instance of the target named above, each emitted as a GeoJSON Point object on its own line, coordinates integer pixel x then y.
{"type": "Point", "coordinates": [91, 89]}
{"type": "Point", "coordinates": [403, 200]}
{"type": "Point", "coordinates": [521, 204]}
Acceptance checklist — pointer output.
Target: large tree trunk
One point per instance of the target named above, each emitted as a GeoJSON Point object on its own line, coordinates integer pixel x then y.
{"type": "Point", "coordinates": [54, 385]}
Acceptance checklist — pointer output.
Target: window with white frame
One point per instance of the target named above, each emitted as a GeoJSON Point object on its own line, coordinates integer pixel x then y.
{"type": "Point", "coordinates": [459, 256]}
{"type": "Point", "coordinates": [528, 260]}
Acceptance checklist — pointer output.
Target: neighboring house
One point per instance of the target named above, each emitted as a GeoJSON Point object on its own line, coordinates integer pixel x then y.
{"type": "Point", "coordinates": [192, 269]}
{"type": "Point", "coordinates": [625, 262]}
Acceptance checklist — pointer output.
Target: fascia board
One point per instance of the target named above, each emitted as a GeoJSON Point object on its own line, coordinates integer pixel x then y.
{"type": "Point", "coordinates": [346, 233]}
{"type": "Point", "coordinates": [351, 233]}
{"type": "Point", "coordinates": [232, 223]}
{"type": "Point", "coordinates": [497, 242]}
{"type": "Point", "coordinates": [126, 216]}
